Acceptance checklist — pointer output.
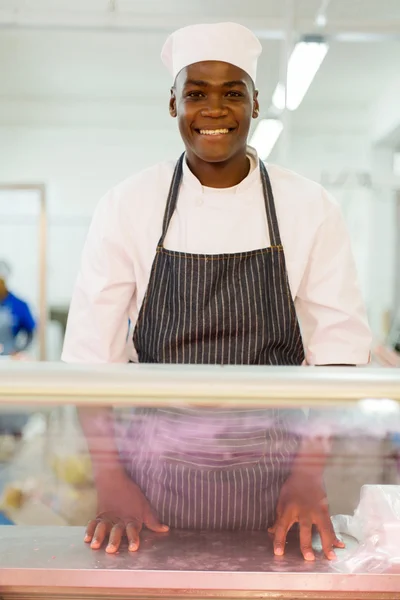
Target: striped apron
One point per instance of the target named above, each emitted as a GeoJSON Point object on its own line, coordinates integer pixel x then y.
{"type": "Point", "coordinates": [209, 468]}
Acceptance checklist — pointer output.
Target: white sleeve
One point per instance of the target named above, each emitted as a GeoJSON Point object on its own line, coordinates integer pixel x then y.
{"type": "Point", "coordinates": [329, 303]}
{"type": "Point", "coordinates": [98, 316]}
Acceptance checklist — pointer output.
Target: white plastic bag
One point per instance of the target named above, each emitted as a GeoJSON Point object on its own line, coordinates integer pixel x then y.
{"type": "Point", "coordinates": [376, 526]}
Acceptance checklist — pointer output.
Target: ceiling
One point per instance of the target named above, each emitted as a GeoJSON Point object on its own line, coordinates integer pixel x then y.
{"type": "Point", "coordinates": [360, 12]}
{"type": "Point", "coordinates": [78, 50]}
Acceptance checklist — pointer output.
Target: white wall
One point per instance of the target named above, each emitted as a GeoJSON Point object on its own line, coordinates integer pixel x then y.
{"type": "Point", "coordinates": [383, 275]}
{"type": "Point", "coordinates": [385, 112]}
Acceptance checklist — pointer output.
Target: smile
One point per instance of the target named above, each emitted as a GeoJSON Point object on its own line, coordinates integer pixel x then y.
{"type": "Point", "coordinates": [214, 131]}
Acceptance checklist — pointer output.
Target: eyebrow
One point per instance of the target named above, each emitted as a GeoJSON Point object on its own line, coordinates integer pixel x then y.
{"type": "Point", "coordinates": [234, 83]}
{"type": "Point", "coordinates": [200, 83]}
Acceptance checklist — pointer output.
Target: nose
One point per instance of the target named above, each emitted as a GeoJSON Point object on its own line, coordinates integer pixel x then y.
{"type": "Point", "coordinates": [215, 107]}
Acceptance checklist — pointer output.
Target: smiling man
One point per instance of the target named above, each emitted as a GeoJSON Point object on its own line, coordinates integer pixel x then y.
{"type": "Point", "coordinates": [214, 259]}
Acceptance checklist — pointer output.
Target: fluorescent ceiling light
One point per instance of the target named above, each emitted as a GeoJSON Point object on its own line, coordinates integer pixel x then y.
{"type": "Point", "coordinates": [321, 20]}
{"type": "Point", "coordinates": [265, 136]}
{"type": "Point", "coordinates": [306, 59]}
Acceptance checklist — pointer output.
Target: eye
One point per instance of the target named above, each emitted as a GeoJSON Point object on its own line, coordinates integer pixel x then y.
{"type": "Point", "coordinates": [234, 94]}
{"type": "Point", "coordinates": [195, 94]}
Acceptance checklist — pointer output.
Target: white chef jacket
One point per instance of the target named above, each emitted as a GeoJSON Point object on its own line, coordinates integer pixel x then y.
{"type": "Point", "coordinates": [126, 227]}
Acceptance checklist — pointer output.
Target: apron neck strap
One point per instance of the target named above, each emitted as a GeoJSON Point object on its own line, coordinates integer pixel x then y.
{"type": "Point", "coordinates": [272, 219]}
{"type": "Point", "coordinates": [172, 198]}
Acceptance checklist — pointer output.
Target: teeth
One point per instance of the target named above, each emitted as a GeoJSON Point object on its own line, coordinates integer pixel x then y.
{"type": "Point", "coordinates": [213, 131]}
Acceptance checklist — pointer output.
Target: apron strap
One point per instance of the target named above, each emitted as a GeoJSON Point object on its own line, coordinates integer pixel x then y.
{"type": "Point", "coordinates": [272, 219]}
{"type": "Point", "coordinates": [172, 198]}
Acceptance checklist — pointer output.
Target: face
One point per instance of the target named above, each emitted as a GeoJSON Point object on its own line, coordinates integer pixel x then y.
{"type": "Point", "coordinates": [214, 103]}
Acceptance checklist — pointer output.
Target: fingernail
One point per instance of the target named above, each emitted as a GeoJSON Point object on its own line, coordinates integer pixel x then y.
{"type": "Point", "coordinates": [165, 528]}
{"type": "Point", "coordinates": [87, 538]}
{"type": "Point", "coordinates": [309, 556]}
{"type": "Point", "coordinates": [110, 548]}
{"type": "Point", "coordinates": [278, 551]}
{"type": "Point", "coordinates": [94, 543]}
{"type": "Point", "coordinates": [331, 555]}
{"type": "Point", "coordinates": [133, 547]}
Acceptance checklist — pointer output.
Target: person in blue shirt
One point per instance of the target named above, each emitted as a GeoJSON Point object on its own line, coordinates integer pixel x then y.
{"type": "Point", "coordinates": [17, 328]}
{"type": "Point", "coordinates": [17, 325]}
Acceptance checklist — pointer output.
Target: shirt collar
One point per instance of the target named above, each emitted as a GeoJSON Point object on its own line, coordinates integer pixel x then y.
{"type": "Point", "coordinates": [192, 182]}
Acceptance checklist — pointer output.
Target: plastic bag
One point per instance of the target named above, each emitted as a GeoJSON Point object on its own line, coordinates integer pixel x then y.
{"type": "Point", "coordinates": [376, 526]}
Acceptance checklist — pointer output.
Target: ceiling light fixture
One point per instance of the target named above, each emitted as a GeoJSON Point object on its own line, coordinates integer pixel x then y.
{"type": "Point", "coordinates": [265, 137]}
{"type": "Point", "coordinates": [321, 20]}
{"type": "Point", "coordinates": [304, 63]}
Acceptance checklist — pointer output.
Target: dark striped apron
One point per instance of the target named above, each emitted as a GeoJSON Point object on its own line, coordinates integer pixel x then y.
{"type": "Point", "coordinates": [208, 468]}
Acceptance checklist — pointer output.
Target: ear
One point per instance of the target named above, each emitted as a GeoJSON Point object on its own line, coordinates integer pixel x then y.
{"type": "Point", "coordinates": [172, 104]}
{"type": "Point", "coordinates": [256, 105]}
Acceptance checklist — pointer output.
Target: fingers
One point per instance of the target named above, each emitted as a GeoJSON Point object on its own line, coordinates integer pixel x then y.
{"type": "Point", "coordinates": [99, 536]}
{"type": "Point", "coordinates": [132, 533]}
{"type": "Point", "coordinates": [115, 538]}
{"type": "Point", "coordinates": [326, 531]}
{"type": "Point", "coordinates": [306, 539]}
{"type": "Point", "coordinates": [338, 543]}
{"type": "Point", "coordinates": [328, 537]}
{"type": "Point", "coordinates": [90, 529]}
{"type": "Point", "coordinates": [154, 524]}
{"type": "Point", "coordinates": [97, 531]}
{"type": "Point", "coordinates": [281, 529]}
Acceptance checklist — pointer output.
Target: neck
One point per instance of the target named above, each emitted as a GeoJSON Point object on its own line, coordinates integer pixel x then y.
{"type": "Point", "coordinates": [220, 174]}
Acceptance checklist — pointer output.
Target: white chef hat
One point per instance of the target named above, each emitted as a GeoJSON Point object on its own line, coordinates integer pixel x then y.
{"type": "Point", "coordinates": [226, 42]}
{"type": "Point", "coordinates": [5, 270]}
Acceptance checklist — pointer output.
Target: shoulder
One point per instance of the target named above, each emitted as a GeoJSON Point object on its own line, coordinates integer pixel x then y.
{"type": "Point", "coordinates": [300, 194]}
{"type": "Point", "coordinates": [142, 188]}
{"type": "Point", "coordinates": [16, 303]}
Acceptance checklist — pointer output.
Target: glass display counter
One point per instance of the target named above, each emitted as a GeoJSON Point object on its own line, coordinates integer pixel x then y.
{"type": "Point", "coordinates": [49, 483]}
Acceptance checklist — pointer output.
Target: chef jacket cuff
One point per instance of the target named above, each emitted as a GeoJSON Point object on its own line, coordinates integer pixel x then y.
{"type": "Point", "coordinates": [338, 354]}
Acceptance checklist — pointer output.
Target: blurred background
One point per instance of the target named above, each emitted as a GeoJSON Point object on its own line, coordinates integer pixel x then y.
{"type": "Point", "coordinates": [84, 104]}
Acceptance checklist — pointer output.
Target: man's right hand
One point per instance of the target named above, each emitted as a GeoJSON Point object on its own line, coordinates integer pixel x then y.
{"type": "Point", "coordinates": [123, 512]}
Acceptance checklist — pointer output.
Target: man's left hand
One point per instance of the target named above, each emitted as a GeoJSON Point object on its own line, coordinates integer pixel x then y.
{"type": "Point", "coordinates": [303, 500]}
